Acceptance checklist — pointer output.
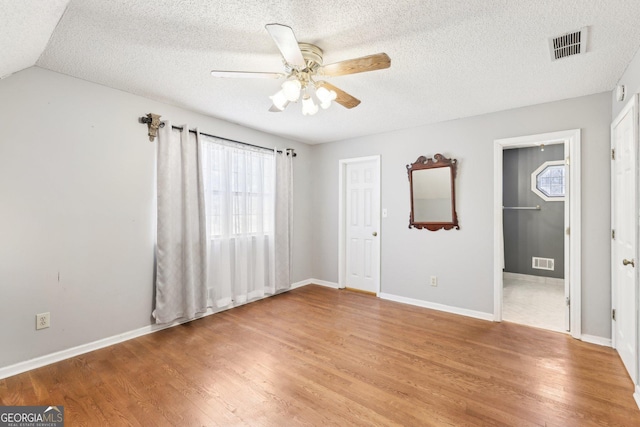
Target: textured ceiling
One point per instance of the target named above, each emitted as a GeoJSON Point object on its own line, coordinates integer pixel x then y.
{"type": "Point", "coordinates": [449, 59]}
{"type": "Point", "coordinates": [25, 28]}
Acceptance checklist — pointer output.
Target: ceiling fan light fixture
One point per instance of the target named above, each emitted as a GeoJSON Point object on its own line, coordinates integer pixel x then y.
{"type": "Point", "coordinates": [303, 62]}
{"type": "Point", "coordinates": [309, 108]}
{"type": "Point", "coordinates": [291, 89]}
{"type": "Point", "coordinates": [325, 96]}
{"type": "Point", "coordinates": [280, 100]}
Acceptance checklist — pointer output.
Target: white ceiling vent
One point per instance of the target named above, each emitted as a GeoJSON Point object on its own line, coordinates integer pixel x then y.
{"type": "Point", "coordinates": [569, 44]}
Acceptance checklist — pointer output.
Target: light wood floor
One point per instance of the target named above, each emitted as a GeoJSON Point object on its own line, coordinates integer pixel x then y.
{"type": "Point", "coordinates": [319, 356]}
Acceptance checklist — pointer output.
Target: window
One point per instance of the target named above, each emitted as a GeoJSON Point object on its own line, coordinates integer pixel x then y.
{"type": "Point", "coordinates": [548, 181]}
{"type": "Point", "coordinates": [238, 185]}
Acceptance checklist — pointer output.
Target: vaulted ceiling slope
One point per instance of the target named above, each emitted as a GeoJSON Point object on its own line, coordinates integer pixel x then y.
{"type": "Point", "coordinates": [25, 29]}
{"type": "Point", "coordinates": [449, 59]}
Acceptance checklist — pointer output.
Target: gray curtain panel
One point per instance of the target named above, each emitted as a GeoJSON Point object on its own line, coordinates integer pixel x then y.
{"type": "Point", "coordinates": [283, 220]}
{"type": "Point", "coordinates": [181, 283]}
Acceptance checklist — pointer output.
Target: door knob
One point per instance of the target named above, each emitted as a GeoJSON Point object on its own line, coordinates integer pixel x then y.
{"type": "Point", "coordinates": [627, 262]}
{"type": "Point", "coordinates": [374, 234]}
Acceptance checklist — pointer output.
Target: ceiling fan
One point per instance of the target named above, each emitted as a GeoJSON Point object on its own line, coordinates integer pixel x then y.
{"type": "Point", "coordinates": [303, 64]}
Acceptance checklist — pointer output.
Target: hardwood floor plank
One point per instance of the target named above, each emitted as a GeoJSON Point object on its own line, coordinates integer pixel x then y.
{"type": "Point", "coordinates": [317, 356]}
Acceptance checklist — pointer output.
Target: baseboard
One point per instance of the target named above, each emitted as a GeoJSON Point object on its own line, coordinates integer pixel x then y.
{"type": "Point", "coordinates": [58, 356]}
{"type": "Point", "coordinates": [301, 284]}
{"type": "Point", "coordinates": [314, 282]}
{"type": "Point", "coordinates": [324, 283]}
{"type": "Point", "coordinates": [596, 340]}
{"type": "Point", "coordinates": [532, 278]}
{"type": "Point", "coordinates": [38, 362]}
{"type": "Point", "coordinates": [439, 307]}
{"type": "Point", "coordinates": [636, 396]}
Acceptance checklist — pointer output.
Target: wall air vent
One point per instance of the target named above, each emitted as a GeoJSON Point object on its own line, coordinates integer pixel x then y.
{"type": "Point", "coordinates": [542, 263]}
{"type": "Point", "coordinates": [569, 44]}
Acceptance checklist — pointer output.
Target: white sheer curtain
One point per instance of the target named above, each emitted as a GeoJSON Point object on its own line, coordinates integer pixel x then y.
{"type": "Point", "coordinates": [181, 290]}
{"type": "Point", "coordinates": [224, 224]}
{"type": "Point", "coordinates": [283, 219]}
{"type": "Point", "coordinates": [239, 194]}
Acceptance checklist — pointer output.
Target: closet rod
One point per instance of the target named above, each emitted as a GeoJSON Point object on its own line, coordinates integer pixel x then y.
{"type": "Point", "coordinates": [522, 208]}
{"type": "Point", "coordinates": [147, 120]}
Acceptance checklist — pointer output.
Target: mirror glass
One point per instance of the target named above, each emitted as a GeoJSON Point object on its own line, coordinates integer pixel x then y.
{"type": "Point", "coordinates": [432, 195]}
{"type": "Point", "coordinates": [432, 185]}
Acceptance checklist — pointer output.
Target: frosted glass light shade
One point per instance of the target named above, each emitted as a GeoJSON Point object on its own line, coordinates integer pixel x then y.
{"type": "Point", "coordinates": [309, 108]}
{"type": "Point", "coordinates": [291, 90]}
{"type": "Point", "coordinates": [325, 96]}
{"type": "Point", "coordinates": [279, 100]}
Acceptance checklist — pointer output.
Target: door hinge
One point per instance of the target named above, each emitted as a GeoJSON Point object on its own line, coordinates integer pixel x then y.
{"type": "Point", "coordinates": [613, 234]}
{"type": "Point", "coordinates": [568, 301]}
{"type": "Point", "coordinates": [568, 231]}
{"type": "Point", "coordinates": [613, 154]}
{"type": "Point", "coordinates": [613, 314]}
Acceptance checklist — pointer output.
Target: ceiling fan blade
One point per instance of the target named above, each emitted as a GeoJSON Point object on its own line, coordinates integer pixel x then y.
{"type": "Point", "coordinates": [378, 61]}
{"type": "Point", "coordinates": [246, 74]}
{"type": "Point", "coordinates": [343, 98]}
{"type": "Point", "coordinates": [275, 109]}
{"type": "Point", "coordinates": [286, 41]}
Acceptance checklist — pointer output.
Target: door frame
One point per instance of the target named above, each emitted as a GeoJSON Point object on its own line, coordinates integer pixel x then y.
{"type": "Point", "coordinates": [342, 217]}
{"type": "Point", "coordinates": [571, 140]}
{"type": "Point", "coordinates": [632, 105]}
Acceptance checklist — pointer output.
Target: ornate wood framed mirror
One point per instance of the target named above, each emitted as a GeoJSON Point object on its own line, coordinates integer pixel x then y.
{"type": "Point", "coordinates": [432, 186]}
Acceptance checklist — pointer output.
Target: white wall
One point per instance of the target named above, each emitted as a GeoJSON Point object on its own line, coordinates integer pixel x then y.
{"type": "Point", "coordinates": [463, 260]}
{"type": "Point", "coordinates": [77, 209]}
{"type": "Point", "coordinates": [631, 80]}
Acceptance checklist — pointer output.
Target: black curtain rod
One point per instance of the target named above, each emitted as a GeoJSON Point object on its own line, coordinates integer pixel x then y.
{"type": "Point", "coordinates": [147, 120]}
{"type": "Point", "coordinates": [233, 140]}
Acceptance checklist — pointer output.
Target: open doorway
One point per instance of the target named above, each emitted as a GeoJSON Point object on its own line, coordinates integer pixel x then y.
{"type": "Point", "coordinates": [566, 259]}
{"type": "Point", "coordinates": [533, 187]}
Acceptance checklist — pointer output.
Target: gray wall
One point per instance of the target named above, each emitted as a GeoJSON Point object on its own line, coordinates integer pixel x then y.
{"type": "Point", "coordinates": [77, 209]}
{"type": "Point", "coordinates": [463, 259]}
{"type": "Point", "coordinates": [529, 233]}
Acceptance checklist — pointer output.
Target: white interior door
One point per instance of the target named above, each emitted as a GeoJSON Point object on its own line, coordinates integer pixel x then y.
{"type": "Point", "coordinates": [624, 217]}
{"type": "Point", "coordinates": [362, 219]}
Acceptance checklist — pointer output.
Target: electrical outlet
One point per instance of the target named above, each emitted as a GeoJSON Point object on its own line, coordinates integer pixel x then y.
{"type": "Point", "coordinates": [43, 320]}
{"type": "Point", "coordinates": [434, 280]}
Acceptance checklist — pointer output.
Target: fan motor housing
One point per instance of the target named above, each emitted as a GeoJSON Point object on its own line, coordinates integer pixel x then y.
{"type": "Point", "coordinates": [312, 55]}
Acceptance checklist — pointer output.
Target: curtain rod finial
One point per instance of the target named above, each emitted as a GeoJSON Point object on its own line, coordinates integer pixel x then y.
{"type": "Point", "coordinates": [153, 123]}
